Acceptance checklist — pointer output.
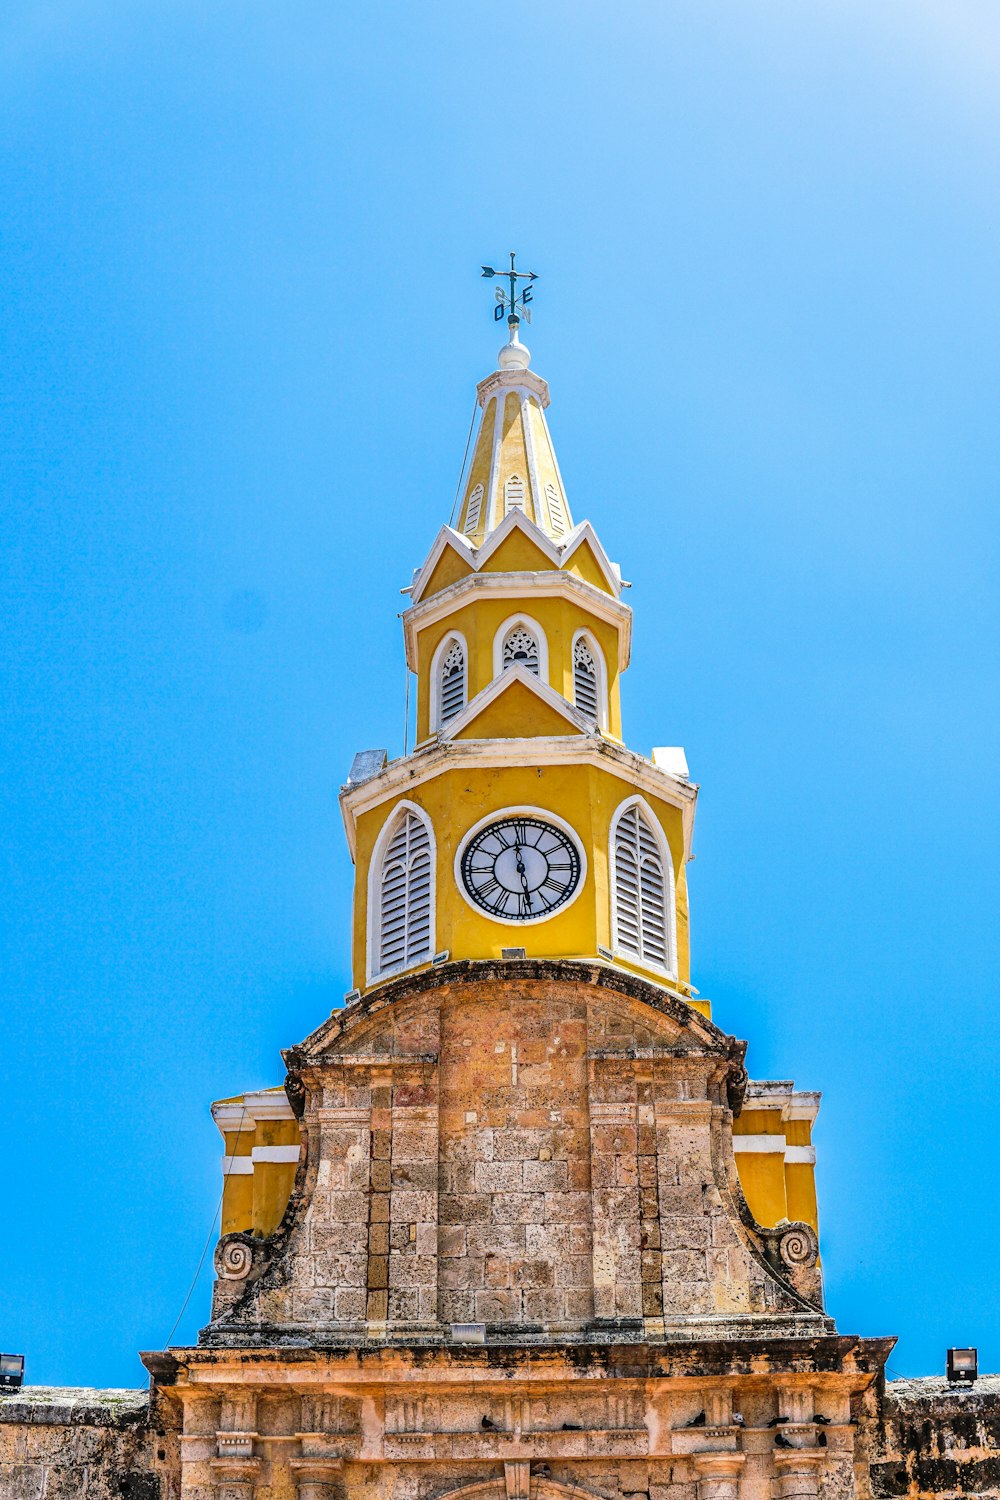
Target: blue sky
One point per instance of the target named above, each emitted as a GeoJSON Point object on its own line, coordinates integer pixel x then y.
{"type": "Point", "coordinates": [241, 327]}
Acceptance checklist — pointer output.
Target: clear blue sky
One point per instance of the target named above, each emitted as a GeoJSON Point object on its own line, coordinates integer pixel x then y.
{"type": "Point", "coordinates": [241, 327]}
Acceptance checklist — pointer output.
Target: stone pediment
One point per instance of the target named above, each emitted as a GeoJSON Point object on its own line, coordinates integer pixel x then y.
{"type": "Point", "coordinates": [532, 1149]}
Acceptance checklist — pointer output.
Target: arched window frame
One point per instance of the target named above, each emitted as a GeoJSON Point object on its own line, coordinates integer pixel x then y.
{"type": "Point", "coordinates": [660, 839]}
{"type": "Point", "coordinates": [602, 674]}
{"type": "Point", "coordinates": [454, 637]}
{"type": "Point", "coordinates": [525, 622]}
{"type": "Point", "coordinates": [374, 922]}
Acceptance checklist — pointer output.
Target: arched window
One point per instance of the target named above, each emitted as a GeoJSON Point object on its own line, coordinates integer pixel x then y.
{"type": "Point", "coordinates": [513, 494]}
{"type": "Point", "coordinates": [586, 680]}
{"type": "Point", "coordinates": [474, 510]}
{"type": "Point", "coordinates": [557, 511]}
{"type": "Point", "coordinates": [642, 889]}
{"type": "Point", "coordinates": [451, 681]}
{"type": "Point", "coordinates": [520, 649]}
{"type": "Point", "coordinates": [402, 889]}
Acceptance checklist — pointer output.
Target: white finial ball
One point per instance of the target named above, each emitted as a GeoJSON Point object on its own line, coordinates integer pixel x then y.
{"type": "Point", "coordinates": [514, 355]}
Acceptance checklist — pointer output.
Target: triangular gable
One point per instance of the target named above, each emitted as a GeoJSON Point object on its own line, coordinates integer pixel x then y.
{"type": "Point", "coordinates": [591, 562]}
{"type": "Point", "coordinates": [517, 521]}
{"type": "Point", "coordinates": [455, 555]}
{"type": "Point", "coordinates": [516, 705]}
{"type": "Point", "coordinates": [517, 553]}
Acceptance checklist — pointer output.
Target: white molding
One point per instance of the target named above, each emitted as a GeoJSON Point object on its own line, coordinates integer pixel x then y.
{"type": "Point", "coordinates": [496, 816]}
{"type": "Point", "coordinates": [283, 1154]}
{"type": "Point", "coordinates": [374, 912]}
{"type": "Point", "coordinates": [444, 755]}
{"type": "Point", "coordinates": [584, 532]}
{"type": "Point", "coordinates": [446, 537]}
{"type": "Point", "coordinates": [781, 1094]}
{"type": "Point", "coordinates": [237, 1166]}
{"type": "Point", "coordinates": [593, 646]}
{"type": "Point", "coordinates": [500, 685]}
{"type": "Point", "coordinates": [529, 453]}
{"type": "Point", "coordinates": [761, 1145]}
{"type": "Point", "coordinates": [516, 520]}
{"type": "Point", "coordinates": [542, 585]}
{"type": "Point", "coordinates": [434, 720]}
{"type": "Point", "coordinates": [806, 1155]}
{"type": "Point", "coordinates": [232, 1115]}
{"type": "Point", "coordinates": [530, 624]}
{"type": "Point", "coordinates": [666, 855]}
{"type": "Point", "coordinates": [492, 489]}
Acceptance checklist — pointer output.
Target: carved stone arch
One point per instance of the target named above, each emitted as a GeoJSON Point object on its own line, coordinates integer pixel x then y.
{"type": "Point", "coordinates": [518, 1485]}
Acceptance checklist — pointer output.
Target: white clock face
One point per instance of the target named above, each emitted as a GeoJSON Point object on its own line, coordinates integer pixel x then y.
{"type": "Point", "coordinates": [520, 867]}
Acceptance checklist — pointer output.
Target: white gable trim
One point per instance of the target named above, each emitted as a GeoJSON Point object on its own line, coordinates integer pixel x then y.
{"type": "Point", "coordinates": [446, 537]}
{"type": "Point", "coordinates": [500, 685]}
{"type": "Point", "coordinates": [516, 520]}
{"type": "Point", "coordinates": [584, 532]}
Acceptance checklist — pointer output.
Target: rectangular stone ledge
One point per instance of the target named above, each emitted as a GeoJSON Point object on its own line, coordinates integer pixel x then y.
{"type": "Point", "coordinates": [493, 1445]}
{"type": "Point", "coordinates": [75, 1406]}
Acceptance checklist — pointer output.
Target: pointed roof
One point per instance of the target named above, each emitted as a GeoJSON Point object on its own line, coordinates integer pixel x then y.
{"type": "Point", "coordinates": [514, 464]}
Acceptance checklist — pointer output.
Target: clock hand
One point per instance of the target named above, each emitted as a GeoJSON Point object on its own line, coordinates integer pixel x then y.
{"type": "Point", "coordinates": [521, 871]}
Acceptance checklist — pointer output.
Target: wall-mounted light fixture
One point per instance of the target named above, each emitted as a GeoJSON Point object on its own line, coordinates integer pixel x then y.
{"type": "Point", "coordinates": [963, 1365]}
{"type": "Point", "coordinates": [11, 1371]}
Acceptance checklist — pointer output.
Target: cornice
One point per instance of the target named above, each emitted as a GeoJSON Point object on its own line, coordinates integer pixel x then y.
{"type": "Point", "coordinates": [413, 770]}
{"type": "Point", "coordinates": [523, 585]}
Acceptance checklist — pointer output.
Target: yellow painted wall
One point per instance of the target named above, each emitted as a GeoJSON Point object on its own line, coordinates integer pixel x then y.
{"type": "Point", "coordinates": [774, 1188]}
{"type": "Point", "coordinates": [480, 473]}
{"type": "Point", "coordinates": [586, 797]}
{"type": "Point", "coordinates": [256, 1201]}
{"type": "Point", "coordinates": [479, 619]}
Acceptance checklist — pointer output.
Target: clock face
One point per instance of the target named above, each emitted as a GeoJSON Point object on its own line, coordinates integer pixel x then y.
{"type": "Point", "coordinates": [520, 868]}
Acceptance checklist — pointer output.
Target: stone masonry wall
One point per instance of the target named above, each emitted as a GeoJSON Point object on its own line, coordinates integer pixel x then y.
{"type": "Point", "coordinates": [920, 1438]}
{"type": "Point", "coordinates": [72, 1444]}
{"type": "Point", "coordinates": [926, 1437]}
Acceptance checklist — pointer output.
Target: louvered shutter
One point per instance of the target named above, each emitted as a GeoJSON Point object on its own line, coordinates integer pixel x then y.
{"type": "Point", "coordinates": [557, 511]}
{"type": "Point", "coordinates": [520, 649]}
{"type": "Point", "coordinates": [474, 510]}
{"type": "Point", "coordinates": [405, 897]}
{"type": "Point", "coordinates": [513, 494]}
{"type": "Point", "coordinates": [641, 893]}
{"type": "Point", "coordinates": [585, 681]}
{"type": "Point", "coordinates": [452, 683]}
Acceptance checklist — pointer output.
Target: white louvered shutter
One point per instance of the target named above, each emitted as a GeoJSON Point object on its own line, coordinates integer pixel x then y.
{"type": "Point", "coordinates": [452, 684]}
{"type": "Point", "coordinates": [474, 510]}
{"type": "Point", "coordinates": [405, 897]}
{"type": "Point", "coordinates": [641, 916]}
{"type": "Point", "coordinates": [513, 494]}
{"type": "Point", "coordinates": [520, 649]}
{"type": "Point", "coordinates": [585, 680]}
{"type": "Point", "coordinates": [557, 511]}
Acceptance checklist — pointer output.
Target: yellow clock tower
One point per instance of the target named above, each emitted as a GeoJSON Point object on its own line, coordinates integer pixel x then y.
{"type": "Point", "coordinates": [520, 820]}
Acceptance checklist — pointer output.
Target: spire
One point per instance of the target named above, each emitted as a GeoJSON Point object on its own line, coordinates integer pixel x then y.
{"type": "Point", "coordinates": [514, 465]}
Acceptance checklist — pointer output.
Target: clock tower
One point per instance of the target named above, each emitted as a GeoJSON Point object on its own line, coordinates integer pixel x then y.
{"type": "Point", "coordinates": [518, 1226]}
{"type": "Point", "coordinates": [521, 819]}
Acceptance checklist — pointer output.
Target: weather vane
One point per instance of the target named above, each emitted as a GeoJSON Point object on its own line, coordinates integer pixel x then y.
{"type": "Point", "coordinates": [513, 303]}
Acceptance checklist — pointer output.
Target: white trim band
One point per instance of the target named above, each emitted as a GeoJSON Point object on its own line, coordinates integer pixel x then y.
{"type": "Point", "coordinates": [237, 1166]}
{"type": "Point", "coordinates": [771, 1144]}
{"type": "Point", "coordinates": [284, 1154]}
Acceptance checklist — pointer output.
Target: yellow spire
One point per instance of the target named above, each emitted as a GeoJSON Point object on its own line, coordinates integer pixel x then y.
{"type": "Point", "coordinates": [514, 464]}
